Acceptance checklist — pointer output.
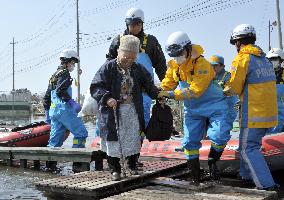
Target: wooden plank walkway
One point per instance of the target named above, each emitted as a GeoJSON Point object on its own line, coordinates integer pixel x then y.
{"type": "Point", "coordinates": [53, 155]}
{"type": "Point", "coordinates": [98, 184]}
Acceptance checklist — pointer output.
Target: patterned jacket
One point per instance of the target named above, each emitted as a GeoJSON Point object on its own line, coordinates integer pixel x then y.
{"type": "Point", "coordinates": [107, 84]}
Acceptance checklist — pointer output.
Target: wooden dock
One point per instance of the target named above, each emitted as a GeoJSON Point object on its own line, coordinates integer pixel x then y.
{"type": "Point", "coordinates": [53, 155]}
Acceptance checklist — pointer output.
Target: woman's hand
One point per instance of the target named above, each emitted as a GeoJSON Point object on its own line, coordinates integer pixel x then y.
{"type": "Point", "coordinates": [111, 102]}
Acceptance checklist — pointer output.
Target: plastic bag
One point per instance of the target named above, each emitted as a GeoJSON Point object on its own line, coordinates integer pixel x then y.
{"type": "Point", "coordinates": [90, 105]}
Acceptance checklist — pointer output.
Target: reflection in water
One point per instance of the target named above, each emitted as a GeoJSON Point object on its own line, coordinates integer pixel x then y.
{"type": "Point", "coordinates": [16, 183]}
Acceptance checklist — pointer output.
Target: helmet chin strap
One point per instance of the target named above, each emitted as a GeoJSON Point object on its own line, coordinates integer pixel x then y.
{"type": "Point", "coordinates": [188, 53]}
{"type": "Point", "coordinates": [238, 45]}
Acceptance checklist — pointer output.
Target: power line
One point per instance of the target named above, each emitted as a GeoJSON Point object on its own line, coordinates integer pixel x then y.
{"type": "Point", "coordinates": [50, 23]}
{"type": "Point", "coordinates": [264, 19]}
{"type": "Point", "coordinates": [203, 8]}
{"type": "Point", "coordinates": [46, 30]}
{"type": "Point", "coordinates": [110, 6]}
{"type": "Point", "coordinates": [191, 12]}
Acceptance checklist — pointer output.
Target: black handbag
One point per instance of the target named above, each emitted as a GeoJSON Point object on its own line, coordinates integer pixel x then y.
{"type": "Point", "coordinates": [160, 126]}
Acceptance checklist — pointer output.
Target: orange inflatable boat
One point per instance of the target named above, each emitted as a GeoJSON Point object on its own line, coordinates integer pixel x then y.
{"type": "Point", "coordinates": [32, 135]}
{"type": "Point", "coordinates": [273, 150]}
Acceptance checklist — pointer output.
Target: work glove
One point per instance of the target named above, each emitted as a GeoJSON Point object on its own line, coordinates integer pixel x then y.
{"type": "Point", "coordinates": [47, 117]}
{"type": "Point", "coordinates": [163, 94]}
{"type": "Point", "coordinates": [76, 106]}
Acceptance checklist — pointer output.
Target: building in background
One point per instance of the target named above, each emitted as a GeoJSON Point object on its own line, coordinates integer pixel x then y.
{"type": "Point", "coordinates": [16, 104]}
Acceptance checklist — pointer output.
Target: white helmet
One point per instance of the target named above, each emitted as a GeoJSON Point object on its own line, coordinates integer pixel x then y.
{"type": "Point", "coordinates": [275, 53]}
{"type": "Point", "coordinates": [134, 15]}
{"type": "Point", "coordinates": [177, 42]}
{"type": "Point", "coordinates": [242, 31]}
{"type": "Point", "coordinates": [68, 55]}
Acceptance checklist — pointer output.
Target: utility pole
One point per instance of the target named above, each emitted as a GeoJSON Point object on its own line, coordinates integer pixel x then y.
{"type": "Point", "coordinates": [270, 28]}
{"type": "Point", "coordinates": [13, 90]}
{"type": "Point", "coordinates": [269, 46]}
{"type": "Point", "coordinates": [13, 43]}
{"type": "Point", "coordinates": [78, 49]}
{"type": "Point", "coordinates": [279, 24]}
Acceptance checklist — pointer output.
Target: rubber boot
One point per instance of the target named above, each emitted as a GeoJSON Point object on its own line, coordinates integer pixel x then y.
{"type": "Point", "coordinates": [115, 176]}
{"type": "Point", "coordinates": [194, 171]}
{"type": "Point", "coordinates": [213, 157]}
{"type": "Point", "coordinates": [132, 164]}
{"type": "Point", "coordinates": [79, 142]}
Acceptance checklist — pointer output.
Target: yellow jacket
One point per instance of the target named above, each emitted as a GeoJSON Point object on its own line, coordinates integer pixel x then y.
{"type": "Point", "coordinates": [196, 71]}
{"type": "Point", "coordinates": [253, 79]}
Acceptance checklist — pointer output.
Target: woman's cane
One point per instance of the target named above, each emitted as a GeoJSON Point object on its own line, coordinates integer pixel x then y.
{"type": "Point", "coordinates": [119, 142]}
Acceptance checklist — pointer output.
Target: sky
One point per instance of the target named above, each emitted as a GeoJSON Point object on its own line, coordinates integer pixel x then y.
{"type": "Point", "coordinates": [44, 28]}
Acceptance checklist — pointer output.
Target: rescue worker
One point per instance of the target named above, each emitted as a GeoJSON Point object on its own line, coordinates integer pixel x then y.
{"type": "Point", "coordinates": [222, 77]}
{"type": "Point", "coordinates": [276, 56]}
{"type": "Point", "coordinates": [150, 54]}
{"type": "Point", "coordinates": [203, 99]}
{"type": "Point", "coordinates": [117, 87]}
{"type": "Point", "coordinates": [253, 79]}
{"type": "Point", "coordinates": [60, 107]}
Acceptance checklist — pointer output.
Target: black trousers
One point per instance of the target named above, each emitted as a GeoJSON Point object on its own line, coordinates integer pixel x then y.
{"type": "Point", "coordinates": [114, 165]}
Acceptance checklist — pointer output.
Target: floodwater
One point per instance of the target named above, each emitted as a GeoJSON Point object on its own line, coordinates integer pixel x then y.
{"type": "Point", "coordinates": [16, 183]}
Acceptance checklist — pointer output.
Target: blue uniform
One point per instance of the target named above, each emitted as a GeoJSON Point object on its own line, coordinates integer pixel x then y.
{"type": "Point", "coordinates": [280, 100]}
{"type": "Point", "coordinates": [62, 114]}
{"type": "Point", "coordinates": [252, 163]}
{"type": "Point", "coordinates": [144, 59]}
{"type": "Point", "coordinates": [253, 79]}
{"type": "Point", "coordinates": [211, 105]}
{"type": "Point", "coordinates": [280, 103]}
{"type": "Point", "coordinates": [203, 100]}
{"type": "Point", "coordinates": [222, 78]}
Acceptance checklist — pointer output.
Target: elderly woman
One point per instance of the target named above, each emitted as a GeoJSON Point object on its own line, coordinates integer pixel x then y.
{"type": "Point", "coordinates": [118, 87]}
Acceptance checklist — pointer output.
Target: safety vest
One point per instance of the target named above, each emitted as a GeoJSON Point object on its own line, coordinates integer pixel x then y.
{"type": "Point", "coordinates": [144, 43]}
